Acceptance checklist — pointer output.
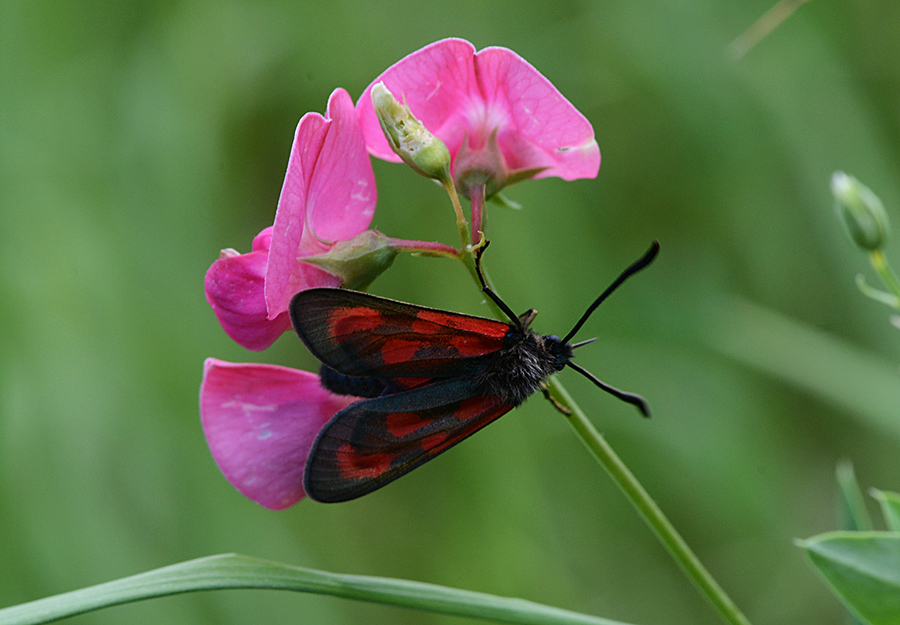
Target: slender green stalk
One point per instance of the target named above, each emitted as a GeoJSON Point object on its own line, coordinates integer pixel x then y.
{"type": "Point", "coordinates": [231, 571]}
{"type": "Point", "coordinates": [462, 225]}
{"type": "Point", "coordinates": [624, 479]}
{"type": "Point", "coordinates": [427, 248]}
{"type": "Point", "coordinates": [879, 262]}
{"type": "Point", "coordinates": [645, 505]}
{"type": "Point", "coordinates": [639, 497]}
{"type": "Point", "coordinates": [647, 508]}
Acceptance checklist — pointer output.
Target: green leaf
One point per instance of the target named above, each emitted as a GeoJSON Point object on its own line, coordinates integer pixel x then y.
{"type": "Point", "coordinates": [853, 506]}
{"type": "Point", "coordinates": [890, 507]}
{"type": "Point", "coordinates": [236, 571]}
{"type": "Point", "coordinates": [862, 569]}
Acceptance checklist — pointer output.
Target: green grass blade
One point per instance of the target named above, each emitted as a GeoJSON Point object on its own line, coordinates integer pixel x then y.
{"type": "Point", "coordinates": [231, 571]}
{"type": "Point", "coordinates": [890, 507]}
{"type": "Point", "coordinates": [854, 515]}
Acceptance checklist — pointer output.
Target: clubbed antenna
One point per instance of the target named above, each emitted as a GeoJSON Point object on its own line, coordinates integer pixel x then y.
{"type": "Point", "coordinates": [631, 398]}
{"type": "Point", "coordinates": [635, 267]}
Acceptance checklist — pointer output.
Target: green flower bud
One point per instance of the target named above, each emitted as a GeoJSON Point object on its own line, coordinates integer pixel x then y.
{"type": "Point", "coordinates": [357, 261]}
{"type": "Point", "coordinates": [861, 212]}
{"type": "Point", "coordinates": [408, 137]}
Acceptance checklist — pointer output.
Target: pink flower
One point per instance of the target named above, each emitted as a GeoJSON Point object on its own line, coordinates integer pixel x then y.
{"type": "Point", "coordinates": [260, 422]}
{"type": "Point", "coordinates": [499, 117]}
{"type": "Point", "coordinates": [328, 196]}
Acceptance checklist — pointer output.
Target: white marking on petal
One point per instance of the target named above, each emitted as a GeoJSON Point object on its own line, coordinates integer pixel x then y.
{"type": "Point", "coordinates": [247, 408]}
{"type": "Point", "coordinates": [437, 87]}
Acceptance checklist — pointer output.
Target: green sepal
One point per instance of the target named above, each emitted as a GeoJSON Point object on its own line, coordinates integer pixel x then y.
{"type": "Point", "coordinates": [357, 261]}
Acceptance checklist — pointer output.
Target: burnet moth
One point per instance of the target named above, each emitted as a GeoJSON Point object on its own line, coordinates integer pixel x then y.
{"type": "Point", "coordinates": [432, 378]}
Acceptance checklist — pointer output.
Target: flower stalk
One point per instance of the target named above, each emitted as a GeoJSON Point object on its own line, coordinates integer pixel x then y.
{"type": "Point", "coordinates": [643, 503]}
{"type": "Point", "coordinates": [887, 275]}
{"type": "Point", "coordinates": [646, 507]}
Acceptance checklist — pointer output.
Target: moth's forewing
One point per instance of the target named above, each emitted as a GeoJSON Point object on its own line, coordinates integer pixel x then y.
{"type": "Point", "coordinates": [363, 335]}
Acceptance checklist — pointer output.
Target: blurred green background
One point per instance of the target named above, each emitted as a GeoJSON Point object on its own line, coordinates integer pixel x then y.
{"type": "Point", "coordinates": [138, 139]}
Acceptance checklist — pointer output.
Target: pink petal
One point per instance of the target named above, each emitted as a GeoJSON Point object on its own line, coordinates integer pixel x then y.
{"type": "Point", "coordinates": [342, 194]}
{"type": "Point", "coordinates": [263, 241]}
{"type": "Point", "coordinates": [235, 289]}
{"type": "Point", "coordinates": [260, 422]}
{"type": "Point", "coordinates": [543, 128]}
{"type": "Point", "coordinates": [328, 195]}
{"type": "Point", "coordinates": [459, 94]}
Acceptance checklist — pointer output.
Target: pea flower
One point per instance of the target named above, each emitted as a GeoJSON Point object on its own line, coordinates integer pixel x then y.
{"type": "Point", "coordinates": [328, 197]}
{"type": "Point", "coordinates": [260, 422]}
{"type": "Point", "coordinates": [500, 118]}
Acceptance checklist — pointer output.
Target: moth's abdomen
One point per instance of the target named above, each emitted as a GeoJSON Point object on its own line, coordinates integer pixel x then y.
{"type": "Point", "coordinates": [341, 384]}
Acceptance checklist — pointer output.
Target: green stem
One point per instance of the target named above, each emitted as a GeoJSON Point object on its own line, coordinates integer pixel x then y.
{"type": "Point", "coordinates": [647, 508]}
{"type": "Point", "coordinates": [427, 248]}
{"type": "Point", "coordinates": [624, 479]}
{"type": "Point", "coordinates": [879, 262]}
{"type": "Point", "coordinates": [462, 225]}
{"type": "Point", "coordinates": [231, 571]}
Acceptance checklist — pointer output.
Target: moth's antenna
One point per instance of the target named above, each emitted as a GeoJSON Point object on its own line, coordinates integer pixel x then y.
{"type": "Point", "coordinates": [583, 343]}
{"type": "Point", "coordinates": [631, 398]}
{"type": "Point", "coordinates": [635, 267]}
{"type": "Point", "coordinates": [490, 293]}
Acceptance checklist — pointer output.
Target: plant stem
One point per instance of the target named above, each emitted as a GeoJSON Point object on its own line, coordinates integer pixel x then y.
{"type": "Point", "coordinates": [462, 225]}
{"type": "Point", "coordinates": [624, 479]}
{"type": "Point", "coordinates": [428, 248]}
{"type": "Point", "coordinates": [647, 508]}
{"type": "Point", "coordinates": [879, 262]}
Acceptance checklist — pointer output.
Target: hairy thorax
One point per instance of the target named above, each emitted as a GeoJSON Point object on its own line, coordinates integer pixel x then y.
{"type": "Point", "coordinates": [525, 361]}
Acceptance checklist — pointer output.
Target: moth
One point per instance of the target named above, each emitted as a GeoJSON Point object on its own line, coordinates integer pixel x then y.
{"type": "Point", "coordinates": [429, 378]}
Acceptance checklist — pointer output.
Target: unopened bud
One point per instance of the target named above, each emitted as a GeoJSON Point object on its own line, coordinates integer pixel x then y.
{"type": "Point", "coordinates": [861, 212]}
{"type": "Point", "coordinates": [408, 137]}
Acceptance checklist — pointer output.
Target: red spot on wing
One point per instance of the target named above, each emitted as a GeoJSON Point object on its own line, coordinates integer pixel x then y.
{"type": "Point", "coordinates": [469, 336]}
{"type": "Point", "coordinates": [468, 346]}
{"type": "Point", "coordinates": [488, 327]}
{"type": "Point", "coordinates": [475, 413]}
{"type": "Point", "coordinates": [352, 465]}
{"type": "Point", "coordinates": [357, 319]}
{"type": "Point", "coordinates": [399, 350]}
{"type": "Point", "coordinates": [435, 443]}
{"type": "Point", "coordinates": [402, 424]}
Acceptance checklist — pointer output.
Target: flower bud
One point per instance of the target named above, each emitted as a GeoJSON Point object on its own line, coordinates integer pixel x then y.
{"type": "Point", "coordinates": [408, 137]}
{"type": "Point", "coordinates": [861, 211]}
{"type": "Point", "coordinates": [357, 261]}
